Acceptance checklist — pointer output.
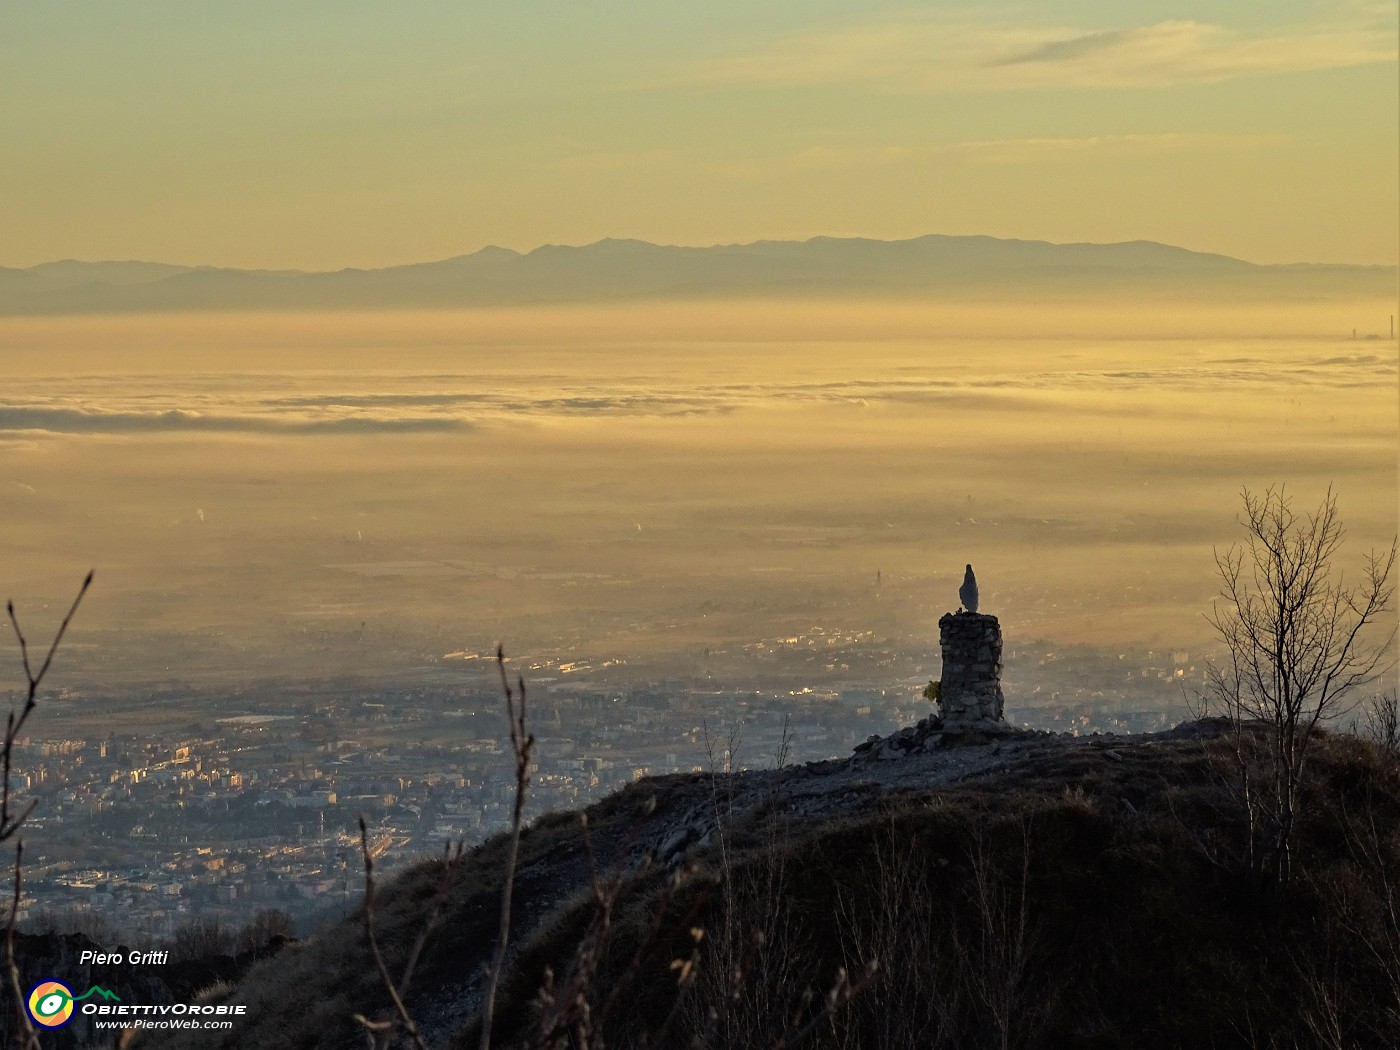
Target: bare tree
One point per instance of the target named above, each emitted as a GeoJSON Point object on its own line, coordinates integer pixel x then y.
{"type": "Point", "coordinates": [12, 818]}
{"type": "Point", "coordinates": [998, 951]}
{"type": "Point", "coordinates": [1381, 723]}
{"type": "Point", "coordinates": [1300, 641]}
{"type": "Point", "coordinates": [263, 928]}
{"type": "Point", "coordinates": [201, 939]}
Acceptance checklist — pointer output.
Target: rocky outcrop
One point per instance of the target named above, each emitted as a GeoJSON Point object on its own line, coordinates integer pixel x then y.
{"type": "Point", "coordinates": [930, 734]}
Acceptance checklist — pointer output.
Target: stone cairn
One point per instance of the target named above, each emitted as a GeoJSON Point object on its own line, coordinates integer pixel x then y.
{"type": "Point", "coordinates": [970, 690]}
{"type": "Point", "coordinates": [970, 700]}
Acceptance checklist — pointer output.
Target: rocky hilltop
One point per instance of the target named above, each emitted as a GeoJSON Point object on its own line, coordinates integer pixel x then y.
{"type": "Point", "coordinates": [987, 887]}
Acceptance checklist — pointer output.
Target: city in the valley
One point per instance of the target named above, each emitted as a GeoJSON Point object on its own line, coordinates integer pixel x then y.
{"type": "Point", "coordinates": [213, 803]}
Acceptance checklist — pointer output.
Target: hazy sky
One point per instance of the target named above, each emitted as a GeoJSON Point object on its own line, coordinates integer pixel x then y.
{"type": "Point", "coordinates": [326, 133]}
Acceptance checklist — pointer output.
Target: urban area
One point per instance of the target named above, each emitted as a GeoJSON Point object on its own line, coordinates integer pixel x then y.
{"type": "Point", "coordinates": [250, 799]}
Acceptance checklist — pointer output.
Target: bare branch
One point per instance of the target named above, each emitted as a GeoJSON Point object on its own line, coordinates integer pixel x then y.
{"type": "Point", "coordinates": [31, 1040]}
{"type": "Point", "coordinates": [10, 823]}
{"type": "Point", "coordinates": [381, 1028]}
{"type": "Point", "coordinates": [522, 744]}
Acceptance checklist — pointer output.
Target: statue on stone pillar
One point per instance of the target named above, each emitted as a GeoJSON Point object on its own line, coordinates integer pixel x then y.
{"type": "Point", "coordinates": [970, 695]}
{"type": "Point", "coordinates": [967, 593]}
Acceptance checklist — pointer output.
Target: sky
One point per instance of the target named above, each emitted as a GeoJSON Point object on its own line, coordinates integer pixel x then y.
{"type": "Point", "coordinates": [313, 134]}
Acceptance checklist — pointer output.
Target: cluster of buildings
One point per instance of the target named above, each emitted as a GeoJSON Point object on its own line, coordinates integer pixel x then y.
{"type": "Point", "coordinates": [254, 801]}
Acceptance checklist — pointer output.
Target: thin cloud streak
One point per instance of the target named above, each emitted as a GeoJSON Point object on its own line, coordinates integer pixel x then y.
{"type": "Point", "coordinates": [967, 52]}
{"type": "Point", "coordinates": [988, 151]}
{"type": "Point", "coordinates": [19, 418]}
{"type": "Point", "coordinates": [616, 161]}
{"type": "Point", "coordinates": [1034, 150]}
{"type": "Point", "coordinates": [459, 412]}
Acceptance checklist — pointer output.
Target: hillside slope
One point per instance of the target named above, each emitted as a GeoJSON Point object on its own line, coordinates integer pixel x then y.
{"type": "Point", "coordinates": [1031, 891]}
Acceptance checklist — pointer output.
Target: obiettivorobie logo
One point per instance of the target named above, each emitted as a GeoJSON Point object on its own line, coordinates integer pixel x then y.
{"type": "Point", "coordinates": [51, 1002]}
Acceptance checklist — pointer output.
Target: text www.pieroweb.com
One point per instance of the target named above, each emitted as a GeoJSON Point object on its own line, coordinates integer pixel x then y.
{"type": "Point", "coordinates": [168, 1022]}
{"type": "Point", "coordinates": [130, 1015]}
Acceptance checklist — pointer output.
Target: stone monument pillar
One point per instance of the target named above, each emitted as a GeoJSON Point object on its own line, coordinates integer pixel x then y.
{"type": "Point", "coordinates": [970, 690]}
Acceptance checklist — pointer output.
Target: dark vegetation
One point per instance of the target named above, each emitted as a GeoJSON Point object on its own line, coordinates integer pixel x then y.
{"type": "Point", "coordinates": [194, 940]}
{"type": "Point", "coordinates": [1088, 893]}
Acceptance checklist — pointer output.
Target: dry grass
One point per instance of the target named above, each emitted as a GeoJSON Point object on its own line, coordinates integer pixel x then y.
{"type": "Point", "coordinates": [1077, 900]}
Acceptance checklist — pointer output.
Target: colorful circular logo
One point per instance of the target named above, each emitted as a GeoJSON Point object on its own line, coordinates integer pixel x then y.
{"type": "Point", "coordinates": [51, 1004]}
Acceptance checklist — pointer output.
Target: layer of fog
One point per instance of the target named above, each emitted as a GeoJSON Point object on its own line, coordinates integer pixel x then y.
{"type": "Point", "coordinates": [298, 495]}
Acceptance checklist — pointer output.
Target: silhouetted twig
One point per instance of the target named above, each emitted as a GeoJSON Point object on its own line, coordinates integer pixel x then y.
{"type": "Point", "coordinates": [31, 1040]}
{"type": "Point", "coordinates": [396, 991]}
{"type": "Point", "coordinates": [11, 822]}
{"type": "Point", "coordinates": [841, 993]}
{"type": "Point", "coordinates": [522, 744]}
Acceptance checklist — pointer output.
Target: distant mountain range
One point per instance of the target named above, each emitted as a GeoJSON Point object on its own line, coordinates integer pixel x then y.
{"type": "Point", "coordinates": [934, 266]}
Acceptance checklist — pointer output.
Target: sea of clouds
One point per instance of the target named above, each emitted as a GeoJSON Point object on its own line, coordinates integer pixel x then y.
{"type": "Point", "coordinates": [446, 402]}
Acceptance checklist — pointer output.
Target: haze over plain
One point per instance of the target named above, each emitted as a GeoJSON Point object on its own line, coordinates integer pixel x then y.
{"type": "Point", "coordinates": [634, 447]}
{"type": "Point", "coordinates": [365, 492]}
